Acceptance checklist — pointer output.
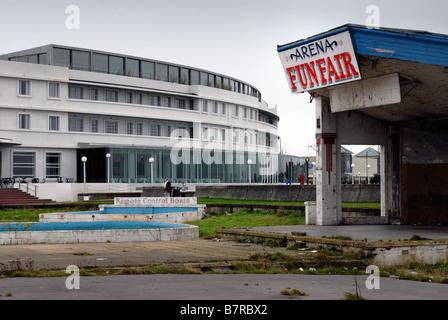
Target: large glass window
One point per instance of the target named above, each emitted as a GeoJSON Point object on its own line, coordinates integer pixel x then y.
{"type": "Point", "coordinates": [129, 128]}
{"type": "Point", "coordinates": [173, 74]}
{"type": "Point", "coordinates": [111, 126]}
{"type": "Point", "coordinates": [161, 72]}
{"type": "Point", "coordinates": [24, 164]}
{"type": "Point", "coordinates": [93, 94]}
{"type": "Point", "coordinates": [112, 95]}
{"type": "Point", "coordinates": [204, 79]}
{"type": "Point", "coordinates": [132, 68]}
{"type": "Point", "coordinates": [75, 124]}
{"type": "Point", "coordinates": [116, 65]}
{"type": "Point", "coordinates": [53, 165]}
{"type": "Point", "coordinates": [194, 77]}
{"type": "Point", "coordinates": [24, 87]}
{"type": "Point", "coordinates": [148, 70]}
{"type": "Point", "coordinates": [75, 92]}
{"type": "Point", "coordinates": [53, 123]}
{"type": "Point", "coordinates": [43, 58]}
{"type": "Point", "coordinates": [81, 60]}
{"type": "Point", "coordinates": [100, 63]}
{"type": "Point", "coordinates": [154, 100]}
{"type": "Point", "coordinates": [94, 125]}
{"type": "Point", "coordinates": [61, 57]}
{"type": "Point", "coordinates": [155, 130]}
{"type": "Point", "coordinates": [53, 90]}
{"type": "Point", "coordinates": [24, 121]}
{"type": "Point", "coordinates": [139, 128]}
{"type": "Point", "coordinates": [184, 76]}
{"type": "Point", "coordinates": [211, 80]}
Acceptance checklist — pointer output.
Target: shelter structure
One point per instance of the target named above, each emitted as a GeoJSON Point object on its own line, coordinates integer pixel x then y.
{"type": "Point", "coordinates": [385, 87]}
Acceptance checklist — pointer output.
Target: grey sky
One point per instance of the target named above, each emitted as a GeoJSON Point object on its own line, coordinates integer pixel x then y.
{"type": "Point", "coordinates": [234, 37]}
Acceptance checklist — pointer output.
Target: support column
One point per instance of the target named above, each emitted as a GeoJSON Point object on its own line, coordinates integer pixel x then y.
{"type": "Point", "coordinates": [390, 177]}
{"type": "Point", "coordinates": [328, 185]}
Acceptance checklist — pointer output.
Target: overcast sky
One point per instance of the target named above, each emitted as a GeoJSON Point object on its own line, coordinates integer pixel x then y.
{"type": "Point", "coordinates": [237, 38]}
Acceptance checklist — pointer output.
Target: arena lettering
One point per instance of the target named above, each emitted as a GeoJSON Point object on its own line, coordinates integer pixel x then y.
{"type": "Point", "coordinates": [325, 62]}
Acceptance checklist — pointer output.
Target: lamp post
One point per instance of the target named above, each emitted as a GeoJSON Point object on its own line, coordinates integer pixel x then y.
{"type": "Point", "coordinates": [368, 177]}
{"type": "Point", "coordinates": [108, 167]}
{"type": "Point", "coordinates": [353, 174]}
{"type": "Point", "coordinates": [151, 161]}
{"type": "Point", "coordinates": [249, 163]}
{"type": "Point", "coordinates": [84, 160]}
{"type": "Point", "coordinates": [359, 177]}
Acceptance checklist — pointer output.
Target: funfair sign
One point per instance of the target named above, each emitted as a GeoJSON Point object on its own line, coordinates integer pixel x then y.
{"type": "Point", "coordinates": [320, 63]}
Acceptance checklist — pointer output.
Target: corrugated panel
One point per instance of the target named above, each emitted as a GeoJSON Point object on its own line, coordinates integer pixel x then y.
{"type": "Point", "coordinates": [404, 45]}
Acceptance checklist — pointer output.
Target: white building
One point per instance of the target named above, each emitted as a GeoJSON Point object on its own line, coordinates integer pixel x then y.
{"type": "Point", "coordinates": [58, 104]}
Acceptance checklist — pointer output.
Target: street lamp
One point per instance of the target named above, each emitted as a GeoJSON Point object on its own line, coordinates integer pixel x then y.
{"type": "Point", "coordinates": [108, 167]}
{"type": "Point", "coordinates": [84, 160]}
{"type": "Point", "coordinates": [249, 163]}
{"type": "Point", "coordinates": [151, 161]}
{"type": "Point", "coordinates": [368, 177]}
{"type": "Point", "coordinates": [359, 177]}
{"type": "Point", "coordinates": [353, 174]}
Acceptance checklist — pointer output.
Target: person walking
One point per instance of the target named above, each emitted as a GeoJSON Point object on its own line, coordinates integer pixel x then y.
{"type": "Point", "coordinates": [168, 188]}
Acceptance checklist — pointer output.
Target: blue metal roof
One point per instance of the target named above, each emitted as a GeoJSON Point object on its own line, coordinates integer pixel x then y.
{"type": "Point", "coordinates": [408, 45]}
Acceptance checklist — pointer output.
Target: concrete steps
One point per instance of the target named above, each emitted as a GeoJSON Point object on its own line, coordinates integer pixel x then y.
{"type": "Point", "coordinates": [10, 197]}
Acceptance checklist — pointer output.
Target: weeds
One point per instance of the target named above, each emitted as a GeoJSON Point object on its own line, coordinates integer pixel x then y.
{"type": "Point", "coordinates": [293, 292]}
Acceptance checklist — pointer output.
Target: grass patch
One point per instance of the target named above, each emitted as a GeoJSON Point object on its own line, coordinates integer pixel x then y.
{"type": "Point", "coordinates": [30, 214]}
{"type": "Point", "coordinates": [247, 218]}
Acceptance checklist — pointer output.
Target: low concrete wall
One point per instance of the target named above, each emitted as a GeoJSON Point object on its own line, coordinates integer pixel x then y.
{"type": "Point", "coordinates": [91, 236]}
{"type": "Point", "coordinates": [382, 253]}
{"type": "Point", "coordinates": [276, 192]}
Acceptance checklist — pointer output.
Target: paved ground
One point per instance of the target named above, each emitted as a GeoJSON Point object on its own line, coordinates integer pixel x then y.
{"type": "Point", "coordinates": [202, 287]}
{"type": "Point", "coordinates": [240, 287]}
{"type": "Point", "coordinates": [369, 232]}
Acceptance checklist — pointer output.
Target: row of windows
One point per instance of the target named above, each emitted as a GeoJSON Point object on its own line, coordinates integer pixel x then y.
{"type": "Point", "coordinates": [111, 95]}
{"type": "Point", "coordinates": [112, 64]}
{"type": "Point", "coordinates": [154, 129]}
{"type": "Point", "coordinates": [24, 165]}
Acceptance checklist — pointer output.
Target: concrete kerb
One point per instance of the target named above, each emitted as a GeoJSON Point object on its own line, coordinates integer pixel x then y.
{"type": "Point", "coordinates": [382, 253]}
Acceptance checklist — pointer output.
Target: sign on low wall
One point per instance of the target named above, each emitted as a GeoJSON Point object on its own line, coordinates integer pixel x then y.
{"type": "Point", "coordinates": [321, 63]}
{"type": "Point", "coordinates": [156, 201]}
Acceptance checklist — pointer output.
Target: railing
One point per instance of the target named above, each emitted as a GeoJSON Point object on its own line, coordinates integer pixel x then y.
{"type": "Point", "coordinates": [30, 188]}
{"type": "Point", "coordinates": [111, 187]}
{"type": "Point", "coordinates": [24, 185]}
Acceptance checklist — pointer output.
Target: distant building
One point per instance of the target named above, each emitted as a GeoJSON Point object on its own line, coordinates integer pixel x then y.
{"type": "Point", "coordinates": [59, 104]}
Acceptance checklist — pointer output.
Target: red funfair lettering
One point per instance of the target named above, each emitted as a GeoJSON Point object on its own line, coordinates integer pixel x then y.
{"type": "Point", "coordinates": [348, 65]}
{"type": "Point", "coordinates": [303, 82]}
{"type": "Point", "coordinates": [311, 72]}
{"type": "Point", "coordinates": [337, 58]}
{"type": "Point", "coordinates": [322, 69]}
{"type": "Point", "coordinates": [292, 77]}
{"type": "Point", "coordinates": [332, 71]}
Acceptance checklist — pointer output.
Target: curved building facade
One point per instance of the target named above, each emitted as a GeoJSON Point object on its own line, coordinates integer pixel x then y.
{"type": "Point", "coordinates": [59, 104]}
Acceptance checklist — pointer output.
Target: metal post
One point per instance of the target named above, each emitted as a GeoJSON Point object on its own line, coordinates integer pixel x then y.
{"type": "Point", "coordinates": [249, 163]}
{"type": "Point", "coordinates": [108, 167]}
{"type": "Point", "coordinates": [84, 160]}
{"type": "Point", "coordinates": [151, 161]}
